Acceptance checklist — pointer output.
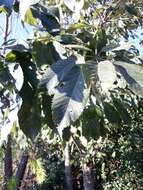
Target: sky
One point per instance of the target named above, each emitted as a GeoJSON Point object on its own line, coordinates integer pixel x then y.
{"type": "Point", "coordinates": [16, 29]}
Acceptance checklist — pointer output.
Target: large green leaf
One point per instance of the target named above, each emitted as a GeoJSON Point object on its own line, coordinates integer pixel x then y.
{"type": "Point", "coordinates": [30, 112]}
{"type": "Point", "coordinates": [45, 54]}
{"type": "Point", "coordinates": [56, 73]}
{"type": "Point", "coordinates": [92, 123]}
{"type": "Point", "coordinates": [106, 74]}
{"type": "Point", "coordinates": [48, 18]}
{"type": "Point", "coordinates": [133, 74]}
{"type": "Point", "coordinates": [65, 81]}
{"type": "Point", "coordinates": [125, 117]}
{"type": "Point", "coordinates": [112, 113]}
{"type": "Point", "coordinates": [70, 99]}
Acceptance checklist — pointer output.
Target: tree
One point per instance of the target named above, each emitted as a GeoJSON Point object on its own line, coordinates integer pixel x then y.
{"type": "Point", "coordinates": [78, 73]}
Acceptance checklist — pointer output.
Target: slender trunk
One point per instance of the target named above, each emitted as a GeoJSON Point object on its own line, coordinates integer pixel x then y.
{"type": "Point", "coordinates": [8, 162]}
{"type": "Point", "coordinates": [21, 169]}
{"type": "Point", "coordinates": [6, 29]}
{"type": "Point", "coordinates": [68, 173]}
{"type": "Point", "coordinates": [87, 177]}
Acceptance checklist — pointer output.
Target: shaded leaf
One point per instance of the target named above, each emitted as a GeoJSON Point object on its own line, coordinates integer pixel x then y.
{"type": "Point", "coordinates": [30, 112]}
{"type": "Point", "coordinates": [116, 47]}
{"type": "Point", "coordinates": [47, 56]}
{"type": "Point", "coordinates": [133, 74]}
{"type": "Point", "coordinates": [92, 123]}
{"type": "Point", "coordinates": [111, 113]}
{"type": "Point", "coordinates": [65, 81]}
{"type": "Point", "coordinates": [17, 45]}
{"type": "Point", "coordinates": [70, 99]}
{"type": "Point", "coordinates": [48, 19]}
{"type": "Point", "coordinates": [56, 73]}
{"type": "Point", "coordinates": [46, 105]}
{"type": "Point", "coordinates": [122, 111]}
{"type": "Point", "coordinates": [17, 74]}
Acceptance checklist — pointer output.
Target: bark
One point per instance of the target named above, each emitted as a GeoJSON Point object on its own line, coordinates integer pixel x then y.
{"type": "Point", "coordinates": [87, 178]}
{"type": "Point", "coordinates": [21, 169]}
{"type": "Point", "coordinates": [68, 173]}
{"type": "Point", "coordinates": [8, 162]}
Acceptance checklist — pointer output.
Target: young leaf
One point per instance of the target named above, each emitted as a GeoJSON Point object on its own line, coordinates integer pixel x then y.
{"type": "Point", "coordinates": [29, 18]}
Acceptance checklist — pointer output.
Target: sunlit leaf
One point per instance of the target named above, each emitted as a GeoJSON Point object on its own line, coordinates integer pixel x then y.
{"type": "Point", "coordinates": [107, 75]}
{"type": "Point", "coordinates": [24, 6]}
{"type": "Point", "coordinates": [74, 5]}
{"type": "Point", "coordinates": [29, 18]}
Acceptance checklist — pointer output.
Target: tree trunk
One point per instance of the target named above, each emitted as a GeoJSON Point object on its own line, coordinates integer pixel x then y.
{"type": "Point", "coordinates": [68, 173]}
{"type": "Point", "coordinates": [8, 162]}
{"type": "Point", "coordinates": [87, 177]}
{"type": "Point", "coordinates": [21, 169]}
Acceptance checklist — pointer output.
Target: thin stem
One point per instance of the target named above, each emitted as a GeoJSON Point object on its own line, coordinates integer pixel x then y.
{"type": "Point", "coordinates": [8, 161]}
{"type": "Point", "coordinates": [21, 169]}
{"type": "Point", "coordinates": [68, 173]}
{"type": "Point", "coordinates": [87, 177]}
{"type": "Point", "coordinates": [6, 29]}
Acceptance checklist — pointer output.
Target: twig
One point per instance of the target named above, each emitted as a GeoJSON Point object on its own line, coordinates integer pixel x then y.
{"type": "Point", "coordinates": [6, 29]}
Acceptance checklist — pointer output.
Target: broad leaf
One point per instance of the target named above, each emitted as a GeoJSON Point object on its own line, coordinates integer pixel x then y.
{"type": "Point", "coordinates": [92, 123]}
{"type": "Point", "coordinates": [112, 113]}
{"type": "Point", "coordinates": [106, 74]}
{"type": "Point", "coordinates": [65, 81]}
{"type": "Point", "coordinates": [48, 19]}
{"type": "Point", "coordinates": [125, 117]}
{"type": "Point", "coordinates": [30, 112]}
{"type": "Point", "coordinates": [70, 99]}
{"type": "Point", "coordinates": [48, 55]}
{"type": "Point", "coordinates": [56, 73]}
{"type": "Point", "coordinates": [133, 74]}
